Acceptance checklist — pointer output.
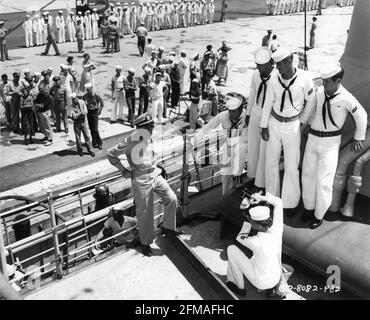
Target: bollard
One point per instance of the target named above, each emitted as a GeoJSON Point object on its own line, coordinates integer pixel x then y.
{"type": "Point", "coordinates": [58, 258]}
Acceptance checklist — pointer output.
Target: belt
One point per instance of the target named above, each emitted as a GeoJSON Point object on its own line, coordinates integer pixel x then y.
{"type": "Point", "coordinates": [324, 134]}
{"type": "Point", "coordinates": [284, 119]}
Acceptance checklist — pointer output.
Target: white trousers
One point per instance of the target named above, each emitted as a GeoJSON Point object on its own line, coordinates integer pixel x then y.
{"type": "Point", "coordinates": [239, 265]}
{"type": "Point", "coordinates": [157, 109]}
{"type": "Point", "coordinates": [318, 171]}
{"type": "Point", "coordinates": [95, 30]}
{"type": "Point", "coordinates": [211, 17]}
{"type": "Point", "coordinates": [28, 37]}
{"type": "Point", "coordinates": [143, 190]}
{"type": "Point", "coordinates": [39, 37]}
{"type": "Point", "coordinates": [287, 136]}
{"type": "Point", "coordinates": [88, 32]}
{"type": "Point", "coordinates": [61, 35]}
{"type": "Point", "coordinates": [45, 34]}
{"type": "Point", "coordinates": [256, 149]}
{"type": "Point", "coordinates": [127, 29]}
{"type": "Point", "coordinates": [118, 103]}
{"type": "Point", "coordinates": [71, 32]}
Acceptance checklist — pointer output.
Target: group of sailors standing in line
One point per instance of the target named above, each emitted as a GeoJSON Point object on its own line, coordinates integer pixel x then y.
{"type": "Point", "coordinates": [155, 16]}
{"type": "Point", "coordinates": [277, 7]}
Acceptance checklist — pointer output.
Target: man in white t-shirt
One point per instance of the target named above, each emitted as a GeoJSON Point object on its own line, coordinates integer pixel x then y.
{"type": "Point", "coordinates": [156, 96]}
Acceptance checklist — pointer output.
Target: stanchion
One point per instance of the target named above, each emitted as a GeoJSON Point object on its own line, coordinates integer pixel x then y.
{"type": "Point", "coordinates": [3, 268]}
{"type": "Point", "coordinates": [185, 178]}
{"type": "Point", "coordinates": [58, 257]}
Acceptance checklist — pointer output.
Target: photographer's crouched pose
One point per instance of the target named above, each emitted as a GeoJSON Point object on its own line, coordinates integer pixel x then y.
{"type": "Point", "coordinates": [262, 234]}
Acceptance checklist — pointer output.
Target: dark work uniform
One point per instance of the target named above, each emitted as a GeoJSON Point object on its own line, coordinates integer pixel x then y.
{"type": "Point", "coordinates": [94, 104]}
{"type": "Point", "coordinates": [130, 88]}
{"type": "Point", "coordinates": [144, 94]}
{"type": "Point", "coordinates": [59, 95]}
{"type": "Point", "coordinates": [175, 82]}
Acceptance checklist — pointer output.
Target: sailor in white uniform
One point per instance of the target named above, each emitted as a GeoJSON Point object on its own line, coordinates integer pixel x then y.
{"type": "Point", "coordinates": [27, 28]}
{"type": "Point", "coordinates": [60, 24]}
{"type": "Point", "coordinates": [71, 29]}
{"type": "Point", "coordinates": [320, 160]}
{"type": "Point", "coordinates": [81, 18]}
{"type": "Point", "coordinates": [257, 98]}
{"type": "Point", "coordinates": [94, 23]}
{"type": "Point", "coordinates": [262, 234]}
{"type": "Point", "coordinates": [146, 180]}
{"type": "Point", "coordinates": [290, 101]}
{"type": "Point", "coordinates": [233, 140]}
{"type": "Point", "coordinates": [37, 26]}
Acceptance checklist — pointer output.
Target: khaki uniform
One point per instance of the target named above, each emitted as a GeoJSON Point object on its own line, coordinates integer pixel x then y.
{"type": "Point", "coordinates": [146, 180]}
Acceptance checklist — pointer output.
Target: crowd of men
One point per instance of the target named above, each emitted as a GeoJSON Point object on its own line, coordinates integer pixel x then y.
{"type": "Point", "coordinates": [275, 7]}
{"type": "Point", "coordinates": [117, 20]}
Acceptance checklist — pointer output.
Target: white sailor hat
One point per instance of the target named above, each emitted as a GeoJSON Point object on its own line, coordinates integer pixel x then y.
{"type": "Point", "coordinates": [162, 67]}
{"type": "Point", "coordinates": [27, 15]}
{"type": "Point", "coordinates": [88, 85]}
{"type": "Point", "coordinates": [262, 55]}
{"type": "Point", "coordinates": [95, 9]}
{"type": "Point", "coordinates": [158, 74]}
{"type": "Point", "coordinates": [281, 53]}
{"type": "Point", "coordinates": [73, 95]}
{"type": "Point", "coordinates": [1, 22]}
{"type": "Point", "coordinates": [126, 3]}
{"type": "Point", "coordinates": [60, 11]}
{"type": "Point", "coordinates": [131, 70]}
{"type": "Point", "coordinates": [176, 62]}
{"type": "Point", "coordinates": [64, 67]}
{"type": "Point", "coordinates": [161, 48]}
{"type": "Point", "coordinates": [47, 12]}
{"type": "Point", "coordinates": [172, 53]}
{"type": "Point", "coordinates": [37, 74]}
{"type": "Point", "coordinates": [233, 103]}
{"type": "Point", "coordinates": [195, 55]}
{"type": "Point", "coordinates": [259, 213]}
{"type": "Point", "coordinates": [143, 119]}
{"type": "Point", "coordinates": [118, 3]}
{"type": "Point", "coordinates": [118, 67]}
{"type": "Point", "coordinates": [147, 69]}
{"type": "Point", "coordinates": [71, 12]}
{"type": "Point", "coordinates": [79, 12]}
{"type": "Point", "coordinates": [195, 80]}
{"type": "Point", "coordinates": [87, 11]}
{"type": "Point", "coordinates": [27, 70]}
{"type": "Point", "coordinates": [330, 70]}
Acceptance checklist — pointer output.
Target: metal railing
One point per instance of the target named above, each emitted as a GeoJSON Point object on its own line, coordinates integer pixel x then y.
{"type": "Point", "coordinates": [64, 234]}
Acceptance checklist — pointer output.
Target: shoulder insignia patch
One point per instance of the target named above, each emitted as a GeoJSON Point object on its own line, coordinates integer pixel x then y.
{"type": "Point", "coordinates": [310, 92]}
{"type": "Point", "coordinates": [354, 109]}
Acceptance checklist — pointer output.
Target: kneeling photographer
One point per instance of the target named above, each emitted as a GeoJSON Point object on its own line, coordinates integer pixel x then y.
{"type": "Point", "coordinates": [261, 233]}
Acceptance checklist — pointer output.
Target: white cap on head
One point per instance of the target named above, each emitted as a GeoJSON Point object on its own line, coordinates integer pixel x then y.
{"type": "Point", "coordinates": [233, 103]}
{"type": "Point", "coordinates": [27, 15]}
{"type": "Point", "coordinates": [37, 74]}
{"type": "Point", "coordinates": [161, 48]}
{"type": "Point", "coordinates": [147, 69]}
{"type": "Point", "coordinates": [71, 12]}
{"type": "Point", "coordinates": [95, 9]}
{"type": "Point", "coordinates": [50, 68]}
{"type": "Point", "coordinates": [88, 85]}
{"type": "Point", "coordinates": [330, 70]}
{"type": "Point", "coordinates": [26, 70]}
{"type": "Point", "coordinates": [73, 95]}
{"type": "Point", "coordinates": [79, 12]}
{"type": "Point", "coordinates": [262, 55]}
{"type": "Point", "coordinates": [131, 70]}
{"type": "Point", "coordinates": [259, 213]}
{"type": "Point", "coordinates": [195, 80]}
{"type": "Point", "coordinates": [281, 53]}
{"type": "Point", "coordinates": [118, 67]}
{"type": "Point", "coordinates": [47, 12]}
{"type": "Point", "coordinates": [60, 11]}
{"type": "Point", "coordinates": [162, 67]}
{"type": "Point", "coordinates": [172, 53]}
{"type": "Point", "coordinates": [64, 66]}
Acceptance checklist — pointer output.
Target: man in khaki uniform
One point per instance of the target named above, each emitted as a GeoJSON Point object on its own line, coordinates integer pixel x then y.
{"type": "Point", "coordinates": [146, 179]}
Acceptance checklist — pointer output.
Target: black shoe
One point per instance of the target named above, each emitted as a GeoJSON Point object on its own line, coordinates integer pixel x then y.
{"type": "Point", "coordinates": [166, 231]}
{"type": "Point", "coordinates": [234, 288]}
{"type": "Point", "coordinates": [31, 141]}
{"type": "Point", "coordinates": [81, 153]}
{"type": "Point", "coordinates": [26, 142]}
{"type": "Point", "coordinates": [44, 139]}
{"type": "Point", "coordinates": [146, 250]}
{"type": "Point", "coordinates": [66, 130]}
{"type": "Point", "coordinates": [315, 223]}
{"type": "Point", "coordinates": [291, 212]}
{"type": "Point", "coordinates": [44, 54]}
{"type": "Point", "coordinates": [307, 215]}
{"type": "Point", "coordinates": [57, 54]}
{"type": "Point", "coordinates": [92, 154]}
